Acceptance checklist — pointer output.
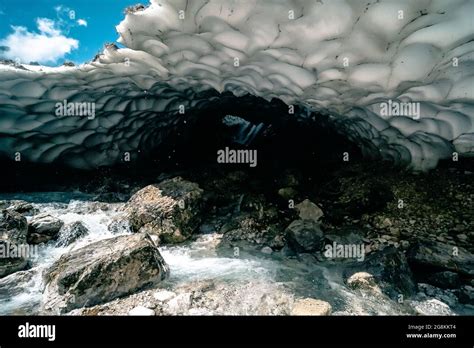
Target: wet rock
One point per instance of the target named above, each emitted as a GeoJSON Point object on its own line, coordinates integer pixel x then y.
{"type": "Point", "coordinates": [141, 311]}
{"type": "Point", "coordinates": [13, 227]}
{"type": "Point", "coordinates": [170, 209]}
{"type": "Point", "coordinates": [266, 250]}
{"type": "Point", "coordinates": [429, 291]}
{"type": "Point", "coordinates": [304, 236]}
{"type": "Point", "coordinates": [13, 231]}
{"type": "Point", "coordinates": [432, 307]}
{"type": "Point", "coordinates": [346, 235]}
{"type": "Point", "coordinates": [444, 280]}
{"type": "Point", "coordinates": [466, 295]}
{"type": "Point", "coordinates": [363, 281]}
{"type": "Point", "coordinates": [17, 283]}
{"type": "Point", "coordinates": [307, 210]}
{"type": "Point", "coordinates": [390, 270]}
{"type": "Point", "coordinates": [432, 256]}
{"type": "Point", "coordinates": [310, 306]}
{"type": "Point", "coordinates": [101, 272]}
{"type": "Point", "coordinates": [119, 225]}
{"type": "Point", "coordinates": [71, 232]}
{"type": "Point", "coordinates": [18, 206]}
{"type": "Point", "coordinates": [43, 228]}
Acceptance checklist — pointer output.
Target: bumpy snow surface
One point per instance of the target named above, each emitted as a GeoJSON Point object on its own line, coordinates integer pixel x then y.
{"type": "Point", "coordinates": [343, 58]}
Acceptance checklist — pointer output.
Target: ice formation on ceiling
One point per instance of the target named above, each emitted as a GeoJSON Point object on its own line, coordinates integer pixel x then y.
{"type": "Point", "coordinates": [348, 59]}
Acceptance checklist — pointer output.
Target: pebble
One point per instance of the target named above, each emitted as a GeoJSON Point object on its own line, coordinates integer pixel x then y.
{"type": "Point", "coordinates": [267, 250]}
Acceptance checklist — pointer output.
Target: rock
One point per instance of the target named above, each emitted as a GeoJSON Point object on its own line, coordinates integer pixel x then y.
{"type": "Point", "coordinates": [304, 236]}
{"type": "Point", "coordinates": [70, 233]}
{"type": "Point", "coordinates": [390, 270]}
{"type": "Point", "coordinates": [206, 229]}
{"type": "Point", "coordinates": [444, 280]}
{"type": "Point", "coordinates": [266, 250]}
{"type": "Point", "coordinates": [17, 283]}
{"type": "Point", "coordinates": [101, 272]}
{"type": "Point", "coordinates": [435, 256]}
{"type": "Point", "coordinates": [13, 231]}
{"type": "Point", "coordinates": [309, 306]}
{"type": "Point", "coordinates": [466, 295]}
{"type": "Point", "coordinates": [346, 235]}
{"type": "Point", "coordinates": [43, 228]}
{"type": "Point", "coordinates": [163, 295]}
{"type": "Point", "coordinates": [278, 242]}
{"type": "Point", "coordinates": [287, 193]}
{"type": "Point", "coordinates": [18, 206]}
{"type": "Point", "coordinates": [170, 209]}
{"type": "Point", "coordinates": [179, 304]}
{"type": "Point", "coordinates": [307, 210]}
{"type": "Point", "coordinates": [13, 227]}
{"type": "Point", "coordinates": [432, 307]}
{"type": "Point", "coordinates": [141, 311]}
{"type": "Point", "coordinates": [363, 281]}
{"type": "Point", "coordinates": [119, 225]}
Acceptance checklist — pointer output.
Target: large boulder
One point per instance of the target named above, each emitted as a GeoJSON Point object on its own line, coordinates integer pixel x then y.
{"type": "Point", "coordinates": [436, 256]}
{"type": "Point", "coordinates": [102, 271]}
{"type": "Point", "coordinates": [170, 209]}
{"type": "Point", "coordinates": [43, 228]}
{"type": "Point", "coordinates": [304, 236]}
{"type": "Point", "coordinates": [13, 231]}
{"type": "Point", "coordinates": [390, 271]}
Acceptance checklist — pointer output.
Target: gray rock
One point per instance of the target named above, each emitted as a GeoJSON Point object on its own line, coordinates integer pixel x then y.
{"type": "Point", "coordinates": [13, 232]}
{"type": "Point", "coordinates": [307, 210]}
{"type": "Point", "coordinates": [390, 270]}
{"type": "Point", "coordinates": [432, 307]}
{"type": "Point", "coordinates": [18, 206]}
{"type": "Point", "coordinates": [170, 209]}
{"type": "Point", "coordinates": [101, 272]}
{"type": "Point", "coordinates": [17, 283]}
{"type": "Point", "coordinates": [43, 228]}
{"type": "Point", "coordinates": [435, 256]}
{"type": "Point", "coordinates": [13, 227]}
{"type": "Point", "coordinates": [304, 236]}
{"type": "Point", "coordinates": [71, 232]}
{"type": "Point", "coordinates": [364, 281]}
{"type": "Point", "coordinates": [466, 295]}
{"type": "Point", "coordinates": [444, 280]}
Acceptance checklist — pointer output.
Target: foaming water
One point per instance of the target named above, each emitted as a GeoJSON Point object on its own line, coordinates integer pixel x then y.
{"type": "Point", "coordinates": [69, 207]}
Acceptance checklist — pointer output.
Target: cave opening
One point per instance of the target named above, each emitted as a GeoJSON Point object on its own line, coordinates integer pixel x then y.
{"type": "Point", "coordinates": [282, 137]}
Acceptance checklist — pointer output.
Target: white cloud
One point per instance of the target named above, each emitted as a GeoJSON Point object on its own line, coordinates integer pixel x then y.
{"type": "Point", "coordinates": [82, 22]}
{"type": "Point", "coordinates": [48, 45]}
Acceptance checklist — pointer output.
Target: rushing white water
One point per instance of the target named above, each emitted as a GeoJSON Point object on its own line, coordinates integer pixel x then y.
{"type": "Point", "coordinates": [245, 276]}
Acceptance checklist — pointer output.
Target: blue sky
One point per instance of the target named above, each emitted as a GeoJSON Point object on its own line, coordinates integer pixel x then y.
{"type": "Point", "coordinates": [46, 31]}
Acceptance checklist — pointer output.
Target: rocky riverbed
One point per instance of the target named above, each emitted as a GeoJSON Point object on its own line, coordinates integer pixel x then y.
{"type": "Point", "coordinates": [360, 239]}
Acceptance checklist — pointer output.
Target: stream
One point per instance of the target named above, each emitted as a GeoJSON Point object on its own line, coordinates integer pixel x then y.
{"type": "Point", "coordinates": [244, 279]}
